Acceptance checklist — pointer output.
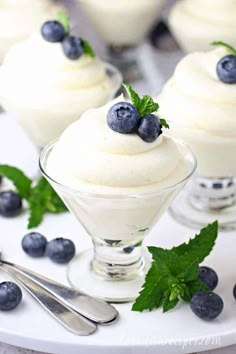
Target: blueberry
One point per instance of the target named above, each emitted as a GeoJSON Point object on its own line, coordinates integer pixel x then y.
{"type": "Point", "coordinates": [10, 296]}
{"type": "Point", "coordinates": [34, 244]}
{"type": "Point", "coordinates": [226, 69]}
{"type": "Point", "coordinates": [60, 250]}
{"type": "Point", "coordinates": [123, 118]}
{"type": "Point", "coordinates": [207, 305]}
{"type": "Point", "coordinates": [128, 249]}
{"type": "Point", "coordinates": [53, 31]}
{"type": "Point", "coordinates": [72, 47]}
{"type": "Point", "coordinates": [10, 204]}
{"type": "Point", "coordinates": [234, 291]}
{"type": "Point", "coordinates": [209, 277]}
{"type": "Point", "coordinates": [149, 128]}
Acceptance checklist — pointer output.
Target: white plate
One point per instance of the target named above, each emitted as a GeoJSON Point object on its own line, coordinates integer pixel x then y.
{"type": "Point", "coordinates": [178, 331]}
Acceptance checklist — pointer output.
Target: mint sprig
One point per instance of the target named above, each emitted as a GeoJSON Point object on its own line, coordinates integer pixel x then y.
{"type": "Point", "coordinates": [174, 274]}
{"type": "Point", "coordinates": [230, 48]}
{"type": "Point", "coordinates": [40, 196]}
{"type": "Point", "coordinates": [88, 49]}
{"type": "Point", "coordinates": [144, 105]}
{"type": "Point", "coordinates": [63, 18]}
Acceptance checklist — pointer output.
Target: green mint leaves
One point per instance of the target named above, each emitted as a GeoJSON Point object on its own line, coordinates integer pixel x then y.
{"type": "Point", "coordinates": [144, 105]}
{"type": "Point", "coordinates": [231, 49]}
{"type": "Point", "coordinates": [174, 273]}
{"type": "Point", "coordinates": [41, 197]}
{"type": "Point", "coordinates": [88, 49]}
{"type": "Point", "coordinates": [63, 18]}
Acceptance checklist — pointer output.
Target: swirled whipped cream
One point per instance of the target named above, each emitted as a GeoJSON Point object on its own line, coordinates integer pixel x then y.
{"type": "Point", "coordinates": [202, 109]}
{"type": "Point", "coordinates": [127, 22]}
{"type": "Point", "coordinates": [197, 23]}
{"type": "Point", "coordinates": [46, 91]}
{"type": "Point", "coordinates": [91, 157]}
{"type": "Point", "coordinates": [20, 18]}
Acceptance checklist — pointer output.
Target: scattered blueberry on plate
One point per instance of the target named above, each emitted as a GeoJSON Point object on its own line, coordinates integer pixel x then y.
{"type": "Point", "coordinates": [10, 296]}
{"type": "Point", "coordinates": [226, 69]}
{"type": "Point", "coordinates": [34, 244]}
{"type": "Point", "coordinates": [207, 305]}
{"type": "Point", "coordinates": [10, 204]}
{"type": "Point", "coordinates": [149, 128]}
{"type": "Point", "coordinates": [53, 31]}
{"type": "Point", "coordinates": [209, 277]}
{"type": "Point", "coordinates": [123, 118]}
{"type": "Point", "coordinates": [72, 47]}
{"type": "Point", "coordinates": [60, 250]}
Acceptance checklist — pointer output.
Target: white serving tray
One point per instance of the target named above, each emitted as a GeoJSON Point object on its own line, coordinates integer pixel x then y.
{"type": "Point", "coordinates": [178, 331]}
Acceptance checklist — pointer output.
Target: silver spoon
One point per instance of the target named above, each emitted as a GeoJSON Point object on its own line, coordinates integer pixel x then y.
{"type": "Point", "coordinates": [96, 310]}
{"type": "Point", "coordinates": [70, 319]}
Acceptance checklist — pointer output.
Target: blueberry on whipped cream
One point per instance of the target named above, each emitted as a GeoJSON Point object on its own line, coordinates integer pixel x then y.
{"type": "Point", "coordinates": [53, 31]}
{"type": "Point", "coordinates": [59, 31]}
{"type": "Point", "coordinates": [226, 67]}
{"type": "Point", "coordinates": [123, 118]}
{"type": "Point", "coordinates": [136, 117]}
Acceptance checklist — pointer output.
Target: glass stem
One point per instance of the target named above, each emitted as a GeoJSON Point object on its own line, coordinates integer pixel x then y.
{"type": "Point", "coordinates": [213, 193]}
{"type": "Point", "coordinates": [115, 260]}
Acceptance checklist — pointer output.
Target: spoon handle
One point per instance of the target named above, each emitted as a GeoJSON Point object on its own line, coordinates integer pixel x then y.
{"type": "Point", "coordinates": [96, 310]}
{"type": "Point", "coordinates": [71, 320]}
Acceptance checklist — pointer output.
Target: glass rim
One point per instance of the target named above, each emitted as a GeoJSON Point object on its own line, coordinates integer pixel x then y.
{"type": "Point", "coordinates": [114, 196]}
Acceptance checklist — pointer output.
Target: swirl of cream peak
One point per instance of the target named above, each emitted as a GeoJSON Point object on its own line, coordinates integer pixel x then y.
{"type": "Point", "coordinates": [91, 157]}
{"type": "Point", "coordinates": [203, 111]}
{"type": "Point", "coordinates": [45, 91]}
{"type": "Point", "coordinates": [205, 20]}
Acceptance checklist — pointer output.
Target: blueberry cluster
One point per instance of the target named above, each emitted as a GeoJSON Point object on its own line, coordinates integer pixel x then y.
{"type": "Point", "coordinates": [207, 305]}
{"type": "Point", "coordinates": [59, 250]}
{"type": "Point", "coordinates": [124, 118]}
{"type": "Point", "coordinates": [54, 31]}
{"type": "Point", "coordinates": [226, 69]}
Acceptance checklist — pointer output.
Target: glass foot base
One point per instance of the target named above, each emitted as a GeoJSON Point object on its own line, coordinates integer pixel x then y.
{"type": "Point", "coordinates": [82, 277]}
{"type": "Point", "coordinates": [186, 213]}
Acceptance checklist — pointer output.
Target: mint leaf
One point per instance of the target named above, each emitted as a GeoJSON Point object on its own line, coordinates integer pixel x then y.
{"type": "Point", "coordinates": [168, 303]}
{"type": "Point", "coordinates": [144, 105]}
{"type": "Point", "coordinates": [64, 20]}
{"type": "Point", "coordinates": [43, 199]}
{"type": "Point", "coordinates": [151, 296]}
{"type": "Point", "coordinates": [136, 100]}
{"type": "Point", "coordinates": [21, 182]}
{"type": "Point", "coordinates": [231, 49]}
{"type": "Point", "coordinates": [174, 274]}
{"type": "Point", "coordinates": [88, 49]}
{"type": "Point", "coordinates": [193, 288]}
{"type": "Point", "coordinates": [199, 247]}
{"type": "Point", "coordinates": [164, 123]}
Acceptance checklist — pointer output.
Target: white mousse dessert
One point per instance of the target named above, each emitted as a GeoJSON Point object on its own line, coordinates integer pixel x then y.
{"type": "Point", "coordinates": [129, 182]}
{"type": "Point", "coordinates": [20, 18]}
{"type": "Point", "coordinates": [45, 90]}
{"type": "Point", "coordinates": [122, 22]}
{"type": "Point", "coordinates": [202, 109]}
{"type": "Point", "coordinates": [196, 23]}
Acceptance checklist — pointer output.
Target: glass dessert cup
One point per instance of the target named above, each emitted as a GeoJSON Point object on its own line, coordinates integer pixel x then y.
{"type": "Point", "coordinates": [123, 37]}
{"type": "Point", "coordinates": [117, 224]}
{"type": "Point", "coordinates": [43, 123]}
{"type": "Point", "coordinates": [211, 193]}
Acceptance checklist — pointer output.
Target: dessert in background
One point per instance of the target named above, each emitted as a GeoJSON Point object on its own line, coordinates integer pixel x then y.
{"type": "Point", "coordinates": [117, 173]}
{"type": "Point", "coordinates": [200, 101]}
{"type": "Point", "coordinates": [196, 23]}
{"type": "Point", "coordinates": [123, 25]}
{"type": "Point", "coordinates": [48, 80]}
{"type": "Point", "coordinates": [19, 18]}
